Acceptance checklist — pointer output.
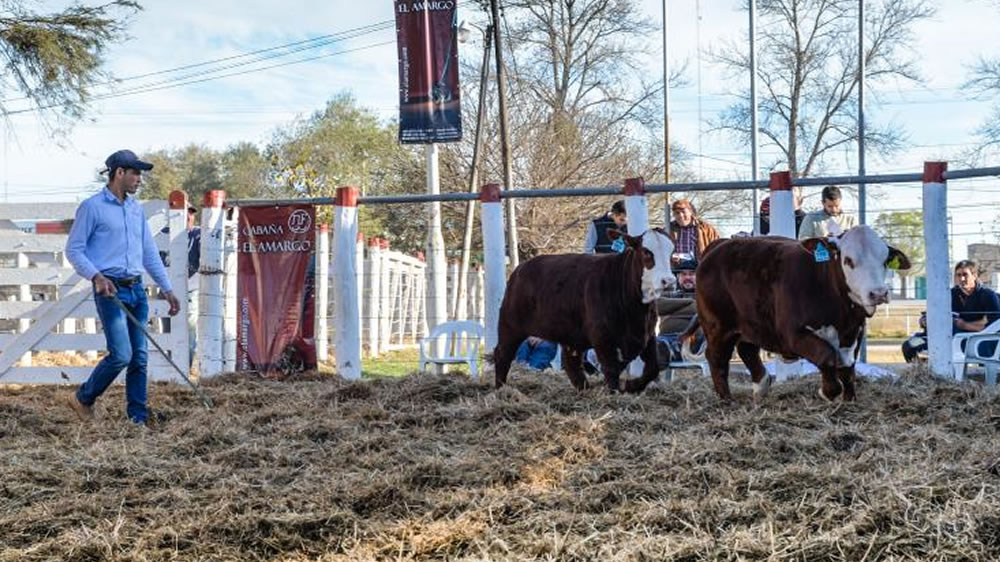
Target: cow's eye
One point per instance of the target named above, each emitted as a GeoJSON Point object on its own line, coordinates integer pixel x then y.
{"type": "Point", "coordinates": [849, 262]}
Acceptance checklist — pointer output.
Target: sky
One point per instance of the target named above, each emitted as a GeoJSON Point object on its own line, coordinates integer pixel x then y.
{"type": "Point", "coordinates": [937, 115]}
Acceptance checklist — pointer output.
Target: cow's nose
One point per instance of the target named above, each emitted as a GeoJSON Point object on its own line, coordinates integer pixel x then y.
{"type": "Point", "coordinates": [879, 296]}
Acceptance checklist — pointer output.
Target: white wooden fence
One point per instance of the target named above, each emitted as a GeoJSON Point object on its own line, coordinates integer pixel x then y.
{"type": "Point", "coordinates": [53, 308]}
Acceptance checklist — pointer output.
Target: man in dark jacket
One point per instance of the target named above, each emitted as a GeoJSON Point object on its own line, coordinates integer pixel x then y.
{"type": "Point", "coordinates": [597, 240]}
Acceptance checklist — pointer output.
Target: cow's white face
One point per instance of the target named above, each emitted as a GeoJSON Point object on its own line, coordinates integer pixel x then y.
{"type": "Point", "coordinates": [866, 259]}
{"type": "Point", "coordinates": [656, 274]}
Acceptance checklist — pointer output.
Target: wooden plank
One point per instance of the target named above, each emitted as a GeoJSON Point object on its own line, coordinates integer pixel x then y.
{"type": "Point", "coordinates": [32, 243]}
{"type": "Point", "coordinates": [36, 276]}
{"type": "Point", "coordinates": [47, 375]}
{"type": "Point", "coordinates": [59, 342]}
{"type": "Point", "coordinates": [36, 309]}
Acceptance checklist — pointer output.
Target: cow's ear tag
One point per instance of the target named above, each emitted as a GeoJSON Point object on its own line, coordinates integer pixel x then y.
{"type": "Point", "coordinates": [618, 245]}
{"type": "Point", "coordinates": [893, 263]}
{"type": "Point", "coordinates": [821, 254]}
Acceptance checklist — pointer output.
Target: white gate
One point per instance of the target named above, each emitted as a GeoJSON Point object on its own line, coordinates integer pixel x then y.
{"type": "Point", "coordinates": [53, 303]}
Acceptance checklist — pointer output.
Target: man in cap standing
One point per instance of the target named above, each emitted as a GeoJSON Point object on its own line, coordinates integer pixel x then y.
{"type": "Point", "coordinates": [110, 243]}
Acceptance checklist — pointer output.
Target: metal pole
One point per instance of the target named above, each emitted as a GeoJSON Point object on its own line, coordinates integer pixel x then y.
{"type": "Point", "coordinates": [666, 102]}
{"type": "Point", "coordinates": [470, 206]}
{"type": "Point", "coordinates": [504, 136]}
{"type": "Point", "coordinates": [201, 395]}
{"type": "Point", "coordinates": [753, 113]}
{"type": "Point", "coordinates": [862, 206]}
{"type": "Point", "coordinates": [862, 195]}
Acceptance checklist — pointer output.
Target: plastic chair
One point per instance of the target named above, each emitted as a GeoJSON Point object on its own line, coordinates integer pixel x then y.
{"type": "Point", "coordinates": [960, 343]}
{"type": "Point", "coordinates": [975, 353]}
{"type": "Point", "coordinates": [461, 345]}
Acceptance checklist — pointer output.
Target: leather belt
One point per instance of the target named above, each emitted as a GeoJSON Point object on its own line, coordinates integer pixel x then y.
{"type": "Point", "coordinates": [126, 281]}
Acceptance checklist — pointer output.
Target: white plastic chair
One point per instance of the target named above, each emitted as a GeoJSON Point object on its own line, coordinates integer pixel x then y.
{"type": "Point", "coordinates": [460, 345]}
{"type": "Point", "coordinates": [974, 353]}
{"type": "Point", "coordinates": [960, 344]}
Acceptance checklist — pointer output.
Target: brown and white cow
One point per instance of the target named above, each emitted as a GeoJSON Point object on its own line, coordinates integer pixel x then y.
{"type": "Point", "coordinates": [582, 301]}
{"type": "Point", "coordinates": [808, 299]}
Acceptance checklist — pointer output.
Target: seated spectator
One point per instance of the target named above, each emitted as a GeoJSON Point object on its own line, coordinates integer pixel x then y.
{"type": "Point", "coordinates": [831, 220]}
{"type": "Point", "coordinates": [676, 313]}
{"type": "Point", "coordinates": [973, 307]}
{"type": "Point", "coordinates": [536, 353]}
{"type": "Point", "coordinates": [689, 234]}
{"type": "Point", "coordinates": [597, 240]}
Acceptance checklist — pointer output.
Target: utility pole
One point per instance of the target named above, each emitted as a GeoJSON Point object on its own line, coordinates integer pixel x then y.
{"type": "Point", "coordinates": [666, 104]}
{"type": "Point", "coordinates": [504, 136]}
{"type": "Point", "coordinates": [470, 208]}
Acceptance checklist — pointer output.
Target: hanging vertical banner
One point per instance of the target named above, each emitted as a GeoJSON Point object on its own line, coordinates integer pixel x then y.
{"type": "Point", "coordinates": [274, 289]}
{"type": "Point", "coordinates": [427, 42]}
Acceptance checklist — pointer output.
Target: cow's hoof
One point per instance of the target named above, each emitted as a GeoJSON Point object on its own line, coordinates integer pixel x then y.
{"type": "Point", "coordinates": [762, 389]}
{"type": "Point", "coordinates": [824, 397]}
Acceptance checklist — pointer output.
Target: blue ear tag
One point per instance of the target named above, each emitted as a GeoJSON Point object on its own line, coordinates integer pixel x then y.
{"type": "Point", "coordinates": [618, 245]}
{"type": "Point", "coordinates": [821, 254]}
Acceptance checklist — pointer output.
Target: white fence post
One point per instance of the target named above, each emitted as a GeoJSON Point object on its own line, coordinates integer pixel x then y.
{"type": "Point", "coordinates": [177, 249]}
{"type": "Point", "coordinates": [938, 269]}
{"type": "Point", "coordinates": [493, 252]}
{"type": "Point", "coordinates": [322, 291]}
{"type": "Point", "coordinates": [453, 289]}
{"type": "Point", "coordinates": [637, 211]}
{"type": "Point", "coordinates": [69, 324]}
{"type": "Point", "coordinates": [231, 225]}
{"type": "Point", "coordinates": [782, 205]}
{"type": "Point", "coordinates": [359, 260]}
{"type": "Point", "coordinates": [211, 295]}
{"type": "Point", "coordinates": [347, 343]}
{"type": "Point", "coordinates": [385, 296]}
{"type": "Point", "coordinates": [636, 206]}
{"type": "Point", "coordinates": [374, 295]}
{"type": "Point", "coordinates": [783, 224]}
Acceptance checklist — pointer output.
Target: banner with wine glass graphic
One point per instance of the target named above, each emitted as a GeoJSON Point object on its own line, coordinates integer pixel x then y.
{"type": "Point", "coordinates": [427, 44]}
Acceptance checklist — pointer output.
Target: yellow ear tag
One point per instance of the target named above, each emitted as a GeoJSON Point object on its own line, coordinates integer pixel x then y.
{"type": "Point", "coordinates": [893, 263]}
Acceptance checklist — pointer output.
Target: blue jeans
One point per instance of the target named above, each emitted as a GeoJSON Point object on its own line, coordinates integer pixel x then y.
{"type": "Point", "coordinates": [126, 348]}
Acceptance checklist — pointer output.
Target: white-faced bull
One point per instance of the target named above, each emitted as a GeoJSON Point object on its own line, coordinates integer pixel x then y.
{"type": "Point", "coordinates": [806, 299]}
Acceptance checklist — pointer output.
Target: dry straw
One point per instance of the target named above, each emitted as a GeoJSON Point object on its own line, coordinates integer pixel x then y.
{"type": "Point", "coordinates": [442, 467]}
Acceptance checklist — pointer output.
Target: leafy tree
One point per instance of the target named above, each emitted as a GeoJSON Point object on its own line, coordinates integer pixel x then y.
{"type": "Point", "coordinates": [346, 144]}
{"type": "Point", "coordinates": [808, 75]}
{"type": "Point", "coordinates": [905, 230]}
{"type": "Point", "coordinates": [53, 59]}
{"type": "Point", "coordinates": [194, 169]}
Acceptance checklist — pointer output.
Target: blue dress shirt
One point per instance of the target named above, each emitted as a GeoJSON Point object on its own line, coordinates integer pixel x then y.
{"type": "Point", "coordinates": [113, 238]}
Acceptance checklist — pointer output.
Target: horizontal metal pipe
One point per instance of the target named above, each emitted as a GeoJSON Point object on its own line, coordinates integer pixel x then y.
{"type": "Point", "coordinates": [617, 190]}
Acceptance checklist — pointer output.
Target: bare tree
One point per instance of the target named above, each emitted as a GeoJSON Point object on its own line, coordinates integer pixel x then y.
{"type": "Point", "coordinates": [808, 75]}
{"type": "Point", "coordinates": [583, 110]}
{"type": "Point", "coordinates": [985, 83]}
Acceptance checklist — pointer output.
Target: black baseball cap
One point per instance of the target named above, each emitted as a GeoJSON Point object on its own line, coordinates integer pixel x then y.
{"type": "Point", "coordinates": [126, 159]}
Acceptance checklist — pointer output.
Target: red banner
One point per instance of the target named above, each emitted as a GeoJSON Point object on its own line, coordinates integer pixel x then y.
{"type": "Point", "coordinates": [427, 42]}
{"type": "Point", "coordinates": [275, 289]}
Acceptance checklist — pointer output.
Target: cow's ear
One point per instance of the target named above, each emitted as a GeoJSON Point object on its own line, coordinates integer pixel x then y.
{"type": "Point", "coordinates": [897, 259]}
{"type": "Point", "coordinates": [822, 249]}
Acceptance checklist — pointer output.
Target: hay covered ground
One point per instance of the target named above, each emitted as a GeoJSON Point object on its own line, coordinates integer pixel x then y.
{"type": "Point", "coordinates": [442, 467]}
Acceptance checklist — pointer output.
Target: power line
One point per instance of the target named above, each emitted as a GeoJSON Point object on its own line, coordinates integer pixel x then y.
{"type": "Point", "coordinates": [144, 89]}
{"type": "Point", "coordinates": [304, 45]}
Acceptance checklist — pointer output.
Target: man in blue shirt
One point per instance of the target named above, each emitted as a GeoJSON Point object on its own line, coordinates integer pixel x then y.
{"type": "Point", "coordinates": [110, 243]}
{"type": "Point", "coordinates": [973, 307]}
